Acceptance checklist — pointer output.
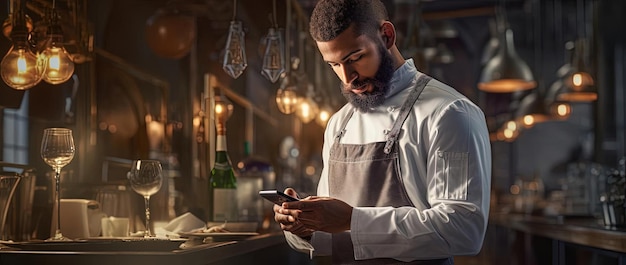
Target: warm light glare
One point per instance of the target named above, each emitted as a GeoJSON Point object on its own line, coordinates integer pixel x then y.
{"type": "Point", "coordinates": [54, 63]}
{"type": "Point", "coordinates": [322, 117]}
{"type": "Point", "coordinates": [580, 80]}
{"type": "Point", "coordinates": [529, 120]}
{"type": "Point", "coordinates": [515, 189]}
{"type": "Point", "coordinates": [306, 110]}
{"type": "Point", "coordinates": [506, 85]}
{"type": "Point", "coordinates": [286, 100]}
{"type": "Point", "coordinates": [60, 64]}
{"type": "Point", "coordinates": [223, 108]}
{"type": "Point", "coordinates": [219, 109]}
{"type": "Point", "coordinates": [310, 170]}
{"type": "Point", "coordinates": [511, 125]}
{"type": "Point", "coordinates": [21, 64]}
{"type": "Point", "coordinates": [577, 79]}
{"type": "Point", "coordinates": [21, 69]}
{"type": "Point", "coordinates": [112, 128]}
{"type": "Point", "coordinates": [196, 121]}
{"type": "Point", "coordinates": [562, 109]}
{"type": "Point", "coordinates": [579, 96]}
{"type": "Point", "coordinates": [508, 133]}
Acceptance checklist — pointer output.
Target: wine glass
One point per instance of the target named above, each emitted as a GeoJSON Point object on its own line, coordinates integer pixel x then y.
{"type": "Point", "coordinates": [57, 150]}
{"type": "Point", "coordinates": [145, 178]}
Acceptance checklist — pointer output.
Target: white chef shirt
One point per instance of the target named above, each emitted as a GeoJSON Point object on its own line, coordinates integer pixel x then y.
{"type": "Point", "coordinates": [445, 164]}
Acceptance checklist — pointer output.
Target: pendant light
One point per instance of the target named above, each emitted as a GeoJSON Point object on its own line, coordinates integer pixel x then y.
{"type": "Point", "coordinates": [579, 85]}
{"type": "Point", "coordinates": [223, 107]}
{"type": "Point", "coordinates": [506, 72]}
{"type": "Point", "coordinates": [531, 110]}
{"type": "Point", "coordinates": [273, 60]}
{"type": "Point", "coordinates": [7, 25]}
{"type": "Point", "coordinates": [511, 128]}
{"type": "Point", "coordinates": [286, 96]}
{"type": "Point", "coordinates": [60, 66]}
{"type": "Point", "coordinates": [307, 108]}
{"type": "Point", "coordinates": [509, 131]}
{"type": "Point", "coordinates": [235, 61]}
{"type": "Point", "coordinates": [20, 68]}
{"type": "Point", "coordinates": [170, 33]}
{"type": "Point", "coordinates": [493, 43]}
{"type": "Point", "coordinates": [325, 111]}
{"type": "Point", "coordinates": [558, 108]}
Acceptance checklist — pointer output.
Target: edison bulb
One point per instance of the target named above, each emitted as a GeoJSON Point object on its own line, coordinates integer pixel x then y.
{"type": "Point", "coordinates": [323, 116]}
{"type": "Point", "coordinates": [306, 110]}
{"type": "Point", "coordinates": [21, 69]}
{"type": "Point", "coordinates": [286, 99]}
{"type": "Point", "coordinates": [223, 108]}
{"type": "Point", "coordinates": [60, 66]}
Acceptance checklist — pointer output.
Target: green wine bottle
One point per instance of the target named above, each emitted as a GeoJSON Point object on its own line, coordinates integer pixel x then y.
{"type": "Point", "coordinates": [223, 183]}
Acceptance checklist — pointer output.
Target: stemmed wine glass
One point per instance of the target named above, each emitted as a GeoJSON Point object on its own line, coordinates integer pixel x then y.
{"type": "Point", "coordinates": [145, 178]}
{"type": "Point", "coordinates": [57, 150]}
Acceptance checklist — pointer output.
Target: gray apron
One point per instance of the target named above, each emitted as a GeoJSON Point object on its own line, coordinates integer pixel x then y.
{"type": "Point", "coordinates": [367, 175]}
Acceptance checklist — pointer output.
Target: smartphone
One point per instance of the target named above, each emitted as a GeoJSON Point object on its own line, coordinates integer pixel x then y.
{"type": "Point", "coordinates": [277, 197]}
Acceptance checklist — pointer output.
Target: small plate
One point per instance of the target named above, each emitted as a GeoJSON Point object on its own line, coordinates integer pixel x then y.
{"type": "Point", "coordinates": [227, 236]}
{"type": "Point", "coordinates": [236, 226]}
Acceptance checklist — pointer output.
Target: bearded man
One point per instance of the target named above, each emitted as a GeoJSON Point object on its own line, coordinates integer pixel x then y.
{"type": "Point", "coordinates": [407, 161]}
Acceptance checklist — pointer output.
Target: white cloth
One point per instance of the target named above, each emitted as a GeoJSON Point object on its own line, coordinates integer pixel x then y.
{"type": "Point", "coordinates": [184, 223]}
{"type": "Point", "coordinates": [445, 164]}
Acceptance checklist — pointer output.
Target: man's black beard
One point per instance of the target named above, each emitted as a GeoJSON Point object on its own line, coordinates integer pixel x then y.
{"type": "Point", "coordinates": [380, 83]}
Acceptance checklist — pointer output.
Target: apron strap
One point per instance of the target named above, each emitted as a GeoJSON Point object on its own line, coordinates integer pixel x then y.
{"type": "Point", "coordinates": [340, 133]}
{"type": "Point", "coordinates": [421, 82]}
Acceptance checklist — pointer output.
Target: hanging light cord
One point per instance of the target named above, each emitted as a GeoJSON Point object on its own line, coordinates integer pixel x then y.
{"type": "Point", "coordinates": [580, 18]}
{"type": "Point", "coordinates": [234, 9]}
{"type": "Point", "coordinates": [274, 13]}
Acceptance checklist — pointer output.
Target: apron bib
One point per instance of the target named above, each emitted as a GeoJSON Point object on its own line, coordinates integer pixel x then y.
{"type": "Point", "coordinates": [367, 176]}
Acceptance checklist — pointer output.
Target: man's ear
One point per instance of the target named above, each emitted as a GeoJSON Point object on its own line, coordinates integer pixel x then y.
{"type": "Point", "coordinates": [388, 32]}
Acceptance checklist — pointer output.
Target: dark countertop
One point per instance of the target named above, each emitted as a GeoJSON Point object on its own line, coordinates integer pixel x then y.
{"type": "Point", "coordinates": [147, 252]}
{"type": "Point", "coordinates": [586, 231]}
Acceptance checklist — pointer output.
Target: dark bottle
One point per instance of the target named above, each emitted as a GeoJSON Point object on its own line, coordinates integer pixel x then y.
{"type": "Point", "coordinates": [223, 183]}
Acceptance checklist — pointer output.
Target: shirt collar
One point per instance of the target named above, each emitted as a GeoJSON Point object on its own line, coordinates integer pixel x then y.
{"type": "Point", "coordinates": [402, 78]}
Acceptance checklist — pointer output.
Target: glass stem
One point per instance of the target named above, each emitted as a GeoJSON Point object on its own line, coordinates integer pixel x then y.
{"type": "Point", "coordinates": [57, 179]}
{"type": "Point", "coordinates": [148, 232]}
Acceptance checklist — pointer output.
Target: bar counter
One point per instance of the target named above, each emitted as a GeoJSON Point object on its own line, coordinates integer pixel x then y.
{"type": "Point", "coordinates": [262, 249]}
{"type": "Point", "coordinates": [531, 239]}
{"type": "Point", "coordinates": [586, 231]}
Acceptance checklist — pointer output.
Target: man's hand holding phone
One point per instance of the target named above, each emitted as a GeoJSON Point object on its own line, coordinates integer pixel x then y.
{"type": "Point", "coordinates": [288, 219]}
{"type": "Point", "coordinates": [313, 213]}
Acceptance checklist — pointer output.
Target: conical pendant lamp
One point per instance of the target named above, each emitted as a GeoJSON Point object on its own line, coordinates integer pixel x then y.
{"type": "Point", "coordinates": [506, 72]}
{"type": "Point", "coordinates": [579, 85]}
{"type": "Point", "coordinates": [531, 110]}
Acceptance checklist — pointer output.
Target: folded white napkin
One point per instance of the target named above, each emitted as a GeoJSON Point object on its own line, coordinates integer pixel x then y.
{"type": "Point", "coordinates": [184, 223]}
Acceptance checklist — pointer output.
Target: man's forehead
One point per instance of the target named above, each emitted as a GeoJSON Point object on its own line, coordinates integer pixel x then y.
{"type": "Point", "coordinates": [337, 49]}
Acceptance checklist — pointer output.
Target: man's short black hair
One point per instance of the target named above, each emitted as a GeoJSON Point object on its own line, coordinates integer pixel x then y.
{"type": "Point", "coordinates": [331, 17]}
